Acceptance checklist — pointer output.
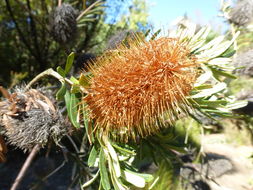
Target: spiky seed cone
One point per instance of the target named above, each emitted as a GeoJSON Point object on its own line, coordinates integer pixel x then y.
{"type": "Point", "coordinates": [242, 13]}
{"type": "Point", "coordinates": [134, 90]}
{"type": "Point", "coordinates": [30, 118]}
{"type": "Point", "coordinates": [63, 23]}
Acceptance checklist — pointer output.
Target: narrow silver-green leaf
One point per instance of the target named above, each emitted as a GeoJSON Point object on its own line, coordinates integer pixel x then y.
{"type": "Point", "coordinates": [134, 179]}
{"type": "Point", "coordinates": [115, 160]}
{"type": "Point", "coordinates": [61, 71]}
{"type": "Point", "coordinates": [208, 92]}
{"type": "Point", "coordinates": [72, 104]}
{"type": "Point", "coordinates": [69, 63]}
{"type": "Point", "coordinates": [103, 171]}
{"type": "Point", "coordinates": [92, 157]}
{"type": "Point", "coordinates": [61, 92]}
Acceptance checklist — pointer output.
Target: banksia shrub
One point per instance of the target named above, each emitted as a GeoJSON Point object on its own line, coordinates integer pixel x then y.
{"type": "Point", "coordinates": [63, 23]}
{"type": "Point", "coordinates": [138, 90]}
{"type": "Point", "coordinates": [242, 13]}
{"type": "Point", "coordinates": [30, 118]}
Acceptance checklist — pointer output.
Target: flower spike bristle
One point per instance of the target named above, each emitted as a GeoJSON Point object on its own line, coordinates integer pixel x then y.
{"type": "Point", "coordinates": [137, 90]}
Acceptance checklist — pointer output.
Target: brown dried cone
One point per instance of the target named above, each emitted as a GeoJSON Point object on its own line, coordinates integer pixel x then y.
{"type": "Point", "coordinates": [63, 23]}
{"type": "Point", "coordinates": [30, 118]}
{"type": "Point", "coordinates": [136, 91]}
{"type": "Point", "coordinates": [3, 149]}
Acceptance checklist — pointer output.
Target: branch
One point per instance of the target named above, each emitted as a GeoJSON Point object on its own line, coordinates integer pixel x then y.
{"type": "Point", "coordinates": [59, 3]}
{"type": "Point", "coordinates": [50, 72]}
{"type": "Point", "coordinates": [25, 167]}
{"type": "Point", "coordinates": [86, 10]}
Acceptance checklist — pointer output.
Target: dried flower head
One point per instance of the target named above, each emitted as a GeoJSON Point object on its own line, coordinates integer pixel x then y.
{"type": "Point", "coordinates": [63, 23]}
{"type": "Point", "coordinates": [30, 118]}
{"type": "Point", "coordinates": [242, 13]}
{"type": "Point", "coordinates": [134, 90]}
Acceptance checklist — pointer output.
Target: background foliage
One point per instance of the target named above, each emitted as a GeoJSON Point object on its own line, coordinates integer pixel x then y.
{"type": "Point", "coordinates": [28, 48]}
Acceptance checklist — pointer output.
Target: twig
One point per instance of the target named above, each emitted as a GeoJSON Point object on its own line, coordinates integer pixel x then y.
{"type": "Point", "coordinates": [24, 168]}
{"type": "Point", "coordinates": [59, 3]}
{"type": "Point", "coordinates": [50, 72]}
{"type": "Point", "coordinates": [54, 171]}
{"type": "Point", "coordinates": [56, 75]}
{"type": "Point", "coordinates": [86, 10]}
{"type": "Point", "coordinates": [88, 183]}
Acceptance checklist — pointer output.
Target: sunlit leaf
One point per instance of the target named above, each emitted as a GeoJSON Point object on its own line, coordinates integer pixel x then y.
{"type": "Point", "coordinates": [103, 171]}
{"type": "Point", "coordinates": [61, 92]}
{"type": "Point", "coordinates": [61, 71]}
{"type": "Point", "coordinates": [72, 105]}
{"type": "Point", "coordinates": [208, 92]}
{"type": "Point", "coordinates": [69, 62]}
{"type": "Point", "coordinates": [134, 179]}
{"type": "Point", "coordinates": [92, 157]}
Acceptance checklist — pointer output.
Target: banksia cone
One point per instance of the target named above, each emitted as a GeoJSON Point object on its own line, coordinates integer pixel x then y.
{"type": "Point", "coordinates": [136, 91]}
{"type": "Point", "coordinates": [242, 13]}
{"type": "Point", "coordinates": [63, 23]}
{"type": "Point", "coordinates": [30, 118]}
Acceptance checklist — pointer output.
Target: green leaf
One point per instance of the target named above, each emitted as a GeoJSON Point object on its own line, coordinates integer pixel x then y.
{"type": "Point", "coordinates": [87, 124]}
{"type": "Point", "coordinates": [88, 183]}
{"type": "Point", "coordinates": [133, 178]}
{"type": "Point", "coordinates": [218, 72]}
{"type": "Point", "coordinates": [208, 92]}
{"type": "Point", "coordinates": [103, 171]}
{"type": "Point", "coordinates": [61, 92]}
{"type": "Point", "coordinates": [83, 81]}
{"type": "Point", "coordinates": [147, 32]}
{"type": "Point", "coordinates": [146, 177]}
{"type": "Point", "coordinates": [74, 80]}
{"type": "Point", "coordinates": [92, 157]}
{"type": "Point", "coordinates": [75, 88]}
{"type": "Point", "coordinates": [212, 103]}
{"type": "Point", "coordinates": [61, 71]}
{"type": "Point", "coordinates": [123, 150]}
{"type": "Point", "coordinates": [203, 86]}
{"type": "Point", "coordinates": [72, 103]}
{"type": "Point", "coordinates": [115, 160]}
{"type": "Point", "coordinates": [69, 63]}
{"type": "Point", "coordinates": [237, 104]}
{"type": "Point", "coordinates": [155, 34]}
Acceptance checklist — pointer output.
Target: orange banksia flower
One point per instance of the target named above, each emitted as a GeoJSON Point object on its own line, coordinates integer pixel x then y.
{"type": "Point", "coordinates": [135, 91]}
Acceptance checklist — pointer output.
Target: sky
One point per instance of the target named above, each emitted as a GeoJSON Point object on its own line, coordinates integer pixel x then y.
{"type": "Point", "coordinates": [163, 12]}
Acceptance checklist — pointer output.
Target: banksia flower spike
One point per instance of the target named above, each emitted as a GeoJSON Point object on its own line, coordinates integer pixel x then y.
{"type": "Point", "coordinates": [30, 118]}
{"type": "Point", "coordinates": [134, 90]}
